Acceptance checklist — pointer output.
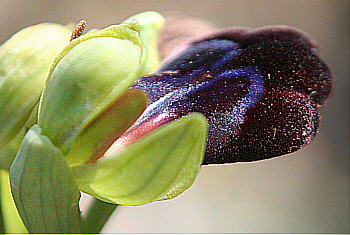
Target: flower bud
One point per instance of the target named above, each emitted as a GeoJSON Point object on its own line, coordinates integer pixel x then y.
{"type": "Point", "coordinates": [25, 60]}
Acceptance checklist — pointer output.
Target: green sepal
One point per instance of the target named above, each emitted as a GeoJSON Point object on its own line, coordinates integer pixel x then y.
{"type": "Point", "coordinates": [101, 132]}
{"type": "Point", "coordinates": [160, 165]}
{"type": "Point", "coordinates": [25, 61]}
{"type": "Point", "coordinates": [88, 76]}
{"type": "Point", "coordinates": [43, 187]}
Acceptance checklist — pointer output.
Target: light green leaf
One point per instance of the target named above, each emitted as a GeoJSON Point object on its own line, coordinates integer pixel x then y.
{"type": "Point", "coordinates": [43, 187]}
{"type": "Point", "coordinates": [160, 165]}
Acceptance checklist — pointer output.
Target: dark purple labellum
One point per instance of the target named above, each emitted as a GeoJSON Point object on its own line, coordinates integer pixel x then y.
{"type": "Point", "coordinates": [259, 90]}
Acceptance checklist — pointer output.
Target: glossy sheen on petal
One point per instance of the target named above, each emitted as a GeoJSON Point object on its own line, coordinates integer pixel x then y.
{"type": "Point", "coordinates": [158, 166]}
{"type": "Point", "coordinates": [258, 88]}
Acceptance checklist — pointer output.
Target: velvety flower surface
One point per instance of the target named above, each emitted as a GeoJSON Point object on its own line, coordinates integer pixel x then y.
{"type": "Point", "coordinates": [258, 88]}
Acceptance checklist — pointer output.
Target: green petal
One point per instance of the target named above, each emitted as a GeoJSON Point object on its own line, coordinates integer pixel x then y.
{"type": "Point", "coordinates": [151, 23]}
{"type": "Point", "coordinates": [88, 76]}
{"type": "Point", "coordinates": [101, 132]}
{"type": "Point", "coordinates": [160, 165]}
{"type": "Point", "coordinates": [25, 60]}
{"type": "Point", "coordinates": [43, 187]}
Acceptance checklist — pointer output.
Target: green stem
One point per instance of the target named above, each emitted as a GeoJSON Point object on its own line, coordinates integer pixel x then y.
{"type": "Point", "coordinates": [97, 215]}
{"type": "Point", "coordinates": [2, 224]}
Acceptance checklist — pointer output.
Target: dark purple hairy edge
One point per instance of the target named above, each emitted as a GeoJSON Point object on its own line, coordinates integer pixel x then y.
{"type": "Point", "coordinates": [258, 88]}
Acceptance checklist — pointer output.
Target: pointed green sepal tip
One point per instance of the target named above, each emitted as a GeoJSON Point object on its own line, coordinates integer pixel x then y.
{"type": "Point", "coordinates": [160, 165]}
{"type": "Point", "coordinates": [43, 187]}
{"type": "Point", "coordinates": [151, 23]}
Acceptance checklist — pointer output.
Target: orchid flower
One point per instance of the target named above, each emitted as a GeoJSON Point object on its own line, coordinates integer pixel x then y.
{"type": "Point", "coordinates": [112, 127]}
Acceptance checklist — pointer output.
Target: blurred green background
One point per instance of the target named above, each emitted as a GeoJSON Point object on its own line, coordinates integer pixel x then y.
{"type": "Point", "coordinates": [304, 192]}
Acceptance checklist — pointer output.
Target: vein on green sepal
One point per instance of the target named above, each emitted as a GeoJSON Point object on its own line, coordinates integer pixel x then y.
{"type": "Point", "coordinates": [43, 187]}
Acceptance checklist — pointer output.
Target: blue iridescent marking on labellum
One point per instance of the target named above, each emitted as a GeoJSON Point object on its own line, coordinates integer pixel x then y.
{"type": "Point", "coordinates": [258, 88]}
